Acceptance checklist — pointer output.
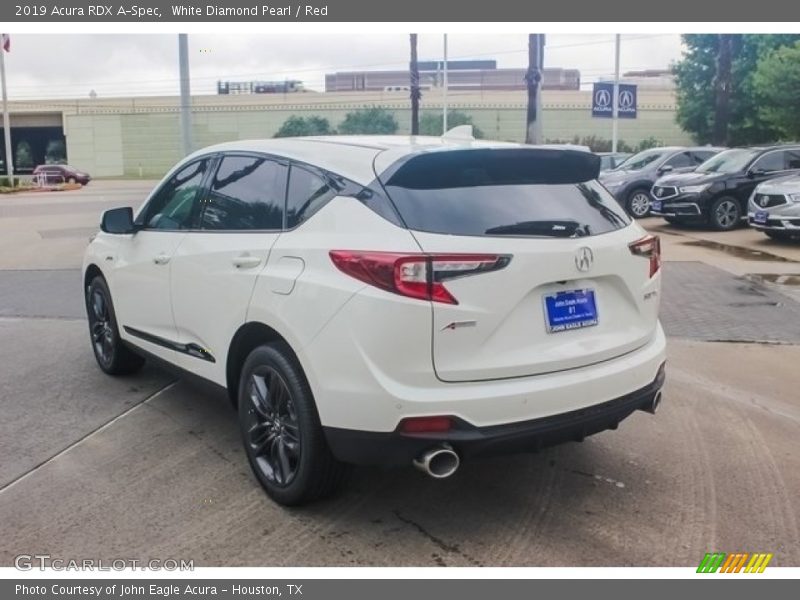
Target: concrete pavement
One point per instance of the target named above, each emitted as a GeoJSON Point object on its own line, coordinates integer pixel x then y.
{"type": "Point", "coordinates": [145, 467]}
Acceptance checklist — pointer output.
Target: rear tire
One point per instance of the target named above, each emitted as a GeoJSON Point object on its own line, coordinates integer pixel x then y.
{"type": "Point", "coordinates": [281, 430]}
{"type": "Point", "coordinates": [725, 214]}
{"type": "Point", "coordinates": [638, 203]}
{"type": "Point", "coordinates": [111, 354]}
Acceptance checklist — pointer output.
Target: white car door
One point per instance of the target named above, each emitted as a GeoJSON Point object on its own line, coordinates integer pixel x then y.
{"type": "Point", "coordinates": [216, 266]}
{"type": "Point", "coordinates": [140, 287]}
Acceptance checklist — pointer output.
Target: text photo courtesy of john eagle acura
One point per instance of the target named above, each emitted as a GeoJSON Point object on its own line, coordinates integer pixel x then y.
{"type": "Point", "coordinates": [386, 300]}
{"type": "Point", "coordinates": [717, 192]}
{"type": "Point", "coordinates": [631, 181]}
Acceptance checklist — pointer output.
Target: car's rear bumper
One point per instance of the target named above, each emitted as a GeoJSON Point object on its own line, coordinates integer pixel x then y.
{"type": "Point", "coordinates": [397, 448]}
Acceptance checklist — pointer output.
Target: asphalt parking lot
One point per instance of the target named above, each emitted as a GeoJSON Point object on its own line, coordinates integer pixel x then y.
{"type": "Point", "coordinates": [151, 467]}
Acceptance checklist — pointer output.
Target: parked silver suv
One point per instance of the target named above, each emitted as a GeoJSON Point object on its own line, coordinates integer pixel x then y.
{"type": "Point", "coordinates": [774, 208]}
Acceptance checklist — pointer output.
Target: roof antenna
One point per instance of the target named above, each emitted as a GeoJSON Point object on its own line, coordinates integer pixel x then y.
{"type": "Point", "coordinates": [461, 133]}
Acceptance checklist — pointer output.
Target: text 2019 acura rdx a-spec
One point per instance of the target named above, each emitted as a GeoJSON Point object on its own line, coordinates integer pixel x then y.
{"type": "Point", "coordinates": [386, 300]}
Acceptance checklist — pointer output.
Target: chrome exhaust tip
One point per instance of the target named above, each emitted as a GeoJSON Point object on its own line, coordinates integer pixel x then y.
{"type": "Point", "coordinates": [655, 403]}
{"type": "Point", "coordinates": [439, 462]}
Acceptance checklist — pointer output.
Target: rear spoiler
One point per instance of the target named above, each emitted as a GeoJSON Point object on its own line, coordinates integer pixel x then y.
{"type": "Point", "coordinates": [471, 167]}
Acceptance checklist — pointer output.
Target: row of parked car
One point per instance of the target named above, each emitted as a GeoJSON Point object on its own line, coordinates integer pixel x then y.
{"type": "Point", "coordinates": [716, 187]}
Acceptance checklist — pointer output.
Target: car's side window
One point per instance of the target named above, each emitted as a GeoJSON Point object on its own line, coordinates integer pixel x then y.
{"type": "Point", "coordinates": [793, 159]}
{"type": "Point", "coordinates": [308, 192]}
{"type": "Point", "coordinates": [701, 156]}
{"type": "Point", "coordinates": [176, 204]}
{"type": "Point", "coordinates": [680, 161]}
{"type": "Point", "coordinates": [772, 161]}
{"type": "Point", "coordinates": [248, 192]}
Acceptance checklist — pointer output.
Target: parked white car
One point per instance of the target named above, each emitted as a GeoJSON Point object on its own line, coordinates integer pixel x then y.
{"type": "Point", "coordinates": [385, 300]}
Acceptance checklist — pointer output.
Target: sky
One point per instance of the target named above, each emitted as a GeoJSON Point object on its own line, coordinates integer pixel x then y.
{"type": "Point", "coordinates": [42, 66]}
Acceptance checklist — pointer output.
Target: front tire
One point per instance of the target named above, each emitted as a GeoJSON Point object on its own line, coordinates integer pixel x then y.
{"type": "Point", "coordinates": [725, 214]}
{"type": "Point", "coordinates": [281, 430]}
{"type": "Point", "coordinates": [638, 203]}
{"type": "Point", "coordinates": [112, 356]}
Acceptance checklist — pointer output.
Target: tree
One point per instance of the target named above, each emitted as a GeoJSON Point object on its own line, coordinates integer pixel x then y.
{"type": "Point", "coordinates": [296, 126]}
{"type": "Point", "coordinates": [56, 152]}
{"type": "Point", "coordinates": [416, 94]}
{"type": "Point", "coordinates": [432, 122]}
{"type": "Point", "coordinates": [375, 120]}
{"type": "Point", "coordinates": [777, 81]}
{"type": "Point", "coordinates": [24, 156]}
{"type": "Point", "coordinates": [722, 89]}
{"type": "Point", "coordinates": [696, 78]}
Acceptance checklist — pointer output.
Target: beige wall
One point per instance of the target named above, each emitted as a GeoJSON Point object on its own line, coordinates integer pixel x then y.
{"type": "Point", "coordinates": [140, 137]}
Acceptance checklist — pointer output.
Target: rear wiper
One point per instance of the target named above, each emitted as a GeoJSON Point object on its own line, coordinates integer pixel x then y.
{"type": "Point", "coordinates": [543, 228]}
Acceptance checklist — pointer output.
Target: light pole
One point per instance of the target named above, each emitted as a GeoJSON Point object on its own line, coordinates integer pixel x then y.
{"type": "Point", "coordinates": [186, 99]}
{"type": "Point", "coordinates": [615, 98]}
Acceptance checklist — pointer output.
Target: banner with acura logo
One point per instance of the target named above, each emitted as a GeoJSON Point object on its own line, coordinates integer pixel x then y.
{"type": "Point", "coordinates": [603, 100]}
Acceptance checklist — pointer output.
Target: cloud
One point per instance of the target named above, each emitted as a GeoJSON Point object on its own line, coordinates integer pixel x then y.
{"type": "Point", "coordinates": [43, 66]}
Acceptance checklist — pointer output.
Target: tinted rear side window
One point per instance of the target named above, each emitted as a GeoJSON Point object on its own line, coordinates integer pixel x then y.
{"type": "Point", "coordinates": [247, 193]}
{"type": "Point", "coordinates": [500, 192]}
{"type": "Point", "coordinates": [308, 192]}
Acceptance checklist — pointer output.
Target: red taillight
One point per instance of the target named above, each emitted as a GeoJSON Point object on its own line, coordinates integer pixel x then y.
{"type": "Point", "coordinates": [414, 275]}
{"type": "Point", "coordinates": [648, 247]}
{"type": "Point", "coordinates": [426, 425]}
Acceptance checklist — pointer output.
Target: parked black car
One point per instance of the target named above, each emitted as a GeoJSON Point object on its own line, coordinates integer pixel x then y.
{"type": "Point", "coordinates": [611, 160]}
{"type": "Point", "coordinates": [631, 181]}
{"type": "Point", "coordinates": [716, 193]}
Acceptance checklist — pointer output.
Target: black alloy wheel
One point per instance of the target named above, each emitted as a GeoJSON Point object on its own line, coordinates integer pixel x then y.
{"type": "Point", "coordinates": [272, 428]}
{"type": "Point", "coordinates": [281, 430]}
{"type": "Point", "coordinates": [111, 354]}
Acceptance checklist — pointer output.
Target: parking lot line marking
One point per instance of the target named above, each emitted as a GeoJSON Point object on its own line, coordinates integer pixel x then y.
{"type": "Point", "coordinates": [82, 439]}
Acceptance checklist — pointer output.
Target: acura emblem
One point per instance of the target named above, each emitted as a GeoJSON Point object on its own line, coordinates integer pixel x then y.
{"type": "Point", "coordinates": [659, 191]}
{"type": "Point", "coordinates": [764, 200]}
{"type": "Point", "coordinates": [584, 259]}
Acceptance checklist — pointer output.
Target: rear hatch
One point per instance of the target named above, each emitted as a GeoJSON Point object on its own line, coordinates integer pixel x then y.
{"type": "Point", "coordinates": [554, 275]}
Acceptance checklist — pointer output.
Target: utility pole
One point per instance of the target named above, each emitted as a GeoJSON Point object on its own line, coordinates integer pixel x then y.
{"type": "Point", "coordinates": [615, 98]}
{"type": "Point", "coordinates": [6, 120]}
{"type": "Point", "coordinates": [444, 89]}
{"type": "Point", "coordinates": [722, 89]}
{"type": "Point", "coordinates": [186, 98]}
{"type": "Point", "coordinates": [533, 78]}
{"type": "Point", "coordinates": [415, 92]}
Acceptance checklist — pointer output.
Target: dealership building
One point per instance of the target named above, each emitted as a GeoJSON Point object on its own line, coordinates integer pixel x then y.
{"type": "Point", "coordinates": [140, 136]}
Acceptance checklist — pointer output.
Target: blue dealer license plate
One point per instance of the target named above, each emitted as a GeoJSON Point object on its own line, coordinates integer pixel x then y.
{"type": "Point", "coordinates": [656, 205]}
{"type": "Point", "coordinates": [761, 216]}
{"type": "Point", "coordinates": [570, 310]}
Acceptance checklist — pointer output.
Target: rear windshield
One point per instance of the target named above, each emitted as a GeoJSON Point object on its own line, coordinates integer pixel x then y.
{"type": "Point", "coordinates": [504, 192]}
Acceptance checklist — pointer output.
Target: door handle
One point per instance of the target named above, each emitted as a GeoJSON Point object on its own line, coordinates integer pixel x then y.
{"type": "Point", "coordinates": [161, 259]}
{"type": "Point", "coordinates": [246, 261]}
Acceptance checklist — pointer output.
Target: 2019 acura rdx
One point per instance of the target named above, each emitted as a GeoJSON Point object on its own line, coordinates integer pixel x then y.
{"type": "Point", "coordinates": [385, 300]}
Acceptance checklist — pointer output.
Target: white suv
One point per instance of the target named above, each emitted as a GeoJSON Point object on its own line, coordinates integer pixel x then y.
{"type": "Point", "coordinates": [386, 300]}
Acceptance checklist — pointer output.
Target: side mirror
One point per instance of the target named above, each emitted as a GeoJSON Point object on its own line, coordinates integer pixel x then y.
{"type": "Point", "coordinates": [665, 169]}
{"type": "Point", "coordinates": [118, 220]}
